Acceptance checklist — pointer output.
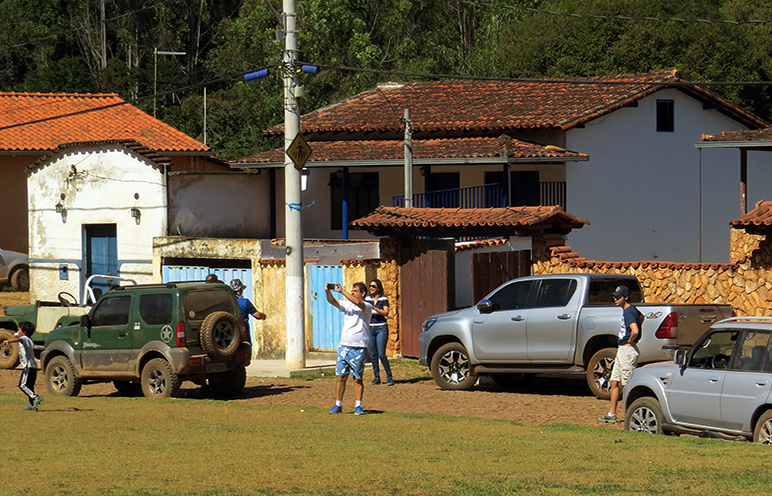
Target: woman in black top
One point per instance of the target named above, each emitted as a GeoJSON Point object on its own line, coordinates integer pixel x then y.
{"type": "Point", "coordinates": [379, 331]}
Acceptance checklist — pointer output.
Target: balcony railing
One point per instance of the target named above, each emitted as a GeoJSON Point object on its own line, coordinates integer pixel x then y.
{"type": "Point", "coordinates": [490, 196]}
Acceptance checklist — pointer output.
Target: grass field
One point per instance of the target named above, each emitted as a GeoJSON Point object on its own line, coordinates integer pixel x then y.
{"type": "Point", "coordinates": [116, 446]}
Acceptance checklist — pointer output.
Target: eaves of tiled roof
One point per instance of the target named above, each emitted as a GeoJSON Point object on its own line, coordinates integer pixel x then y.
{"type": "Point", "coordinates": [33, 122]}
{"type": "Point", "coordinates": [567, 256]}
{"type": "Point", "coordinates": [479, 243]}
{"type": "Point", "coordinates": [451, 222]}
{"type": "Point", "coordinates": [752, 138]}
{"type": "Point", "coordinates": [362, 151]}
{"type": "Point", "coordinates": [153, 156]}
{"type": "Point", "coordinates": [484, 106]}
{"type": "Point", "coordinates": [757, 220]}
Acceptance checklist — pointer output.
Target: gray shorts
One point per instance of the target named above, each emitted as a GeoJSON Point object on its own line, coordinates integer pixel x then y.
{"type": "Point", "coordinates": [624, 365]}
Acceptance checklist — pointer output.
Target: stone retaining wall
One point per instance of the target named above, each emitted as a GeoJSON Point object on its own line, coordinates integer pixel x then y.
{"type": "Point", "coordinates": [745, 283]}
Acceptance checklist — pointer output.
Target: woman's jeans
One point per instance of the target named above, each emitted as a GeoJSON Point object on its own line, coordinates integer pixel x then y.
{"type": "Point", "coordinates": [379, 336]}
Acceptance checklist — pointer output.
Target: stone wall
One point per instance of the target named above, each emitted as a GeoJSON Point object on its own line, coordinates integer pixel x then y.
{"type": "Point", "coordinates": [745, 283]}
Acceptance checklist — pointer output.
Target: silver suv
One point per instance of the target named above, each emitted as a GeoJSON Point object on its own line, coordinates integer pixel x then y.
{"type": "Point", "coordinates": [721, 385]}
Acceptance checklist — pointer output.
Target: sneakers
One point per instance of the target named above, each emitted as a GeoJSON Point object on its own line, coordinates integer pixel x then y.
{"type": "Point", "coordinates": [375, 382]}
{"type": "Point", "coordinates": [611, 419]}
{"type": "Point", "coordinates": [336, 409]}
{"type": "Point", "coordinates": [390, 383]}
{"type": "Point", "coordinates": [35, 404]}
{"type": "Point", "coordinates": [358, 410]}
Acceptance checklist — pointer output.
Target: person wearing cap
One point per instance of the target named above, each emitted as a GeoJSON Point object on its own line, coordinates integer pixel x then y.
{"type": "Point", "coordinates": [627, 350]}
{"type": "Point", "coordinates": [246, 306]}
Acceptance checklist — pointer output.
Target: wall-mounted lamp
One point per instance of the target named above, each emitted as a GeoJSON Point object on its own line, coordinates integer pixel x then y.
{"type": "Point", "coordinates": [304, 173]}
{"type": "Point", "coordinates": [422, 170]}
{"type": "Point", "coordinates": [60, 208]}
{"type": "Point", "coordinates": [339, 174]}
{"type": "Point", "coordinates": [136, 214]}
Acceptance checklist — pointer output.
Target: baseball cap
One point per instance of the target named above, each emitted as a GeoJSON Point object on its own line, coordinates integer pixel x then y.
{"type": "Point", "coordinates": [621, 291]}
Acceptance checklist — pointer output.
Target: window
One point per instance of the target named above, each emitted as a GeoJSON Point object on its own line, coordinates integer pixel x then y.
{"type": "Point", "coordinates": [199, 304]}
{"type": "Point", "coordinates": [753, 352]}
{"type": "Point", "coordinates": [601, 289]}
{"type": "Point", "coordinates": [156, 309]}
{"type": "Point", "coordinates": [112, 312]}
{"type": "Point", "coordinates": [555, 292]}
{"type": "Point", "coordinates": [363, 196]}
{"type": "Point", "coordinates": [665, 116]}
{"type": "Point", "coordinates": [715, 351]}
{"type": "Point", "coordinates": [512, 296]}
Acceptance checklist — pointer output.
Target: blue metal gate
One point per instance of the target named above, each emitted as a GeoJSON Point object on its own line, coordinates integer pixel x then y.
{"type": "Point", "coordinates": [327, 321]}
{"type": "Point", "coordinates": [173, 273]}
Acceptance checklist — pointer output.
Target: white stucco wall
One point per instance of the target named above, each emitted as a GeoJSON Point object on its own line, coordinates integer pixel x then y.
{"type": "Point", "coordinates": [641, 189]}
{"type": "Point", "coordinates": [220, 205]}
{"type": "Point", "coordinates": [99, 184]}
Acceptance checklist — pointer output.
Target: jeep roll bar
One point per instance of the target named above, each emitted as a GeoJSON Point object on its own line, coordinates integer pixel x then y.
{"type": "Point", "coordinates": [88, 293]}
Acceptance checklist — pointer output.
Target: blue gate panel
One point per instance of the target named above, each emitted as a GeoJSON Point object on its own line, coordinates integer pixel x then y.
{"type": "Point", "coordinates": [327, 319]}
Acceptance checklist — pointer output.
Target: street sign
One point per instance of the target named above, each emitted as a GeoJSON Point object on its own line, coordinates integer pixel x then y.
{"type": "Point", "coordinates": [299, 151]}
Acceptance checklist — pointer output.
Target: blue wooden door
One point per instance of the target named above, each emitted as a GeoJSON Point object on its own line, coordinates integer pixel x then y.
{"type": "Point", "coordinates": [101, 253]}
{"type": "Point", "coordinates": [327, 320]}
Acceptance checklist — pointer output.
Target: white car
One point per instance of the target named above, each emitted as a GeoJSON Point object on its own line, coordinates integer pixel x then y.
{"type": "Point", "coordinates": [14, 269]}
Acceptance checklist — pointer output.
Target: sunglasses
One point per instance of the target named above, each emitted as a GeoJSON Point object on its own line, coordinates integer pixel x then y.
{"type": "Point", "coordinates": [374, 286]}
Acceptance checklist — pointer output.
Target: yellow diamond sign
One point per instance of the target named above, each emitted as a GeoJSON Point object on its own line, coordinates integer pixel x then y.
{"type": "Point", "coordinates": [299, 151]}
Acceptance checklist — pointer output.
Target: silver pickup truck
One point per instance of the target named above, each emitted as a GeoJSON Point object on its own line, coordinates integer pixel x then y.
{"type": "Point", "coordinates": [561, 323]}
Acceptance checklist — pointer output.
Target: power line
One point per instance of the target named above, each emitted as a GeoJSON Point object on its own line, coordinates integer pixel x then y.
{"type": "Point", "coordinates": [585, 82]}
{"type": "Point", "coordinates": [616, 17]}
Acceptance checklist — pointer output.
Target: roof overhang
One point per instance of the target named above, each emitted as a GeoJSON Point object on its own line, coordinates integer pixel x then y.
{"type": "Point", "coordinates": [416, 162]}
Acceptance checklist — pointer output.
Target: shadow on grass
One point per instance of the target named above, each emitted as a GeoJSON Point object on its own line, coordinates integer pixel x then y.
{"type": "Point", "coordinates": [539, 385]}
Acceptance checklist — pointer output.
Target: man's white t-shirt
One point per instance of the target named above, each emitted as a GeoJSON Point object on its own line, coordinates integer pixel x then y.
{"type": "Point", "coordinates": [356, 324]}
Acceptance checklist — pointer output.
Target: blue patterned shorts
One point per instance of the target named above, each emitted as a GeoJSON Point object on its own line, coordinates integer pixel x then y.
{"type": "Point", "coordinates": [350, 361]}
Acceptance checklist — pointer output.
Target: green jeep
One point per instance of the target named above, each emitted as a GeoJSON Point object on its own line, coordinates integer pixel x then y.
{"type": "Point", "coordinates": [150, 338]}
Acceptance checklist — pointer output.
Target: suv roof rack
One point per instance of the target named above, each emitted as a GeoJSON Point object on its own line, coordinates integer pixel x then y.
{"type": "Point", "coordinates": [166, 285]}
{"type": "Point", "coordinates": [745, 318]}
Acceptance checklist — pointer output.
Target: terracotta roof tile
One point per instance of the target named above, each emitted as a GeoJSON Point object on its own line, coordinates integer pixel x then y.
{"type": "Point", "coordinates": [466, 105]}
{"type": "Point", "coordinates": [503, 146]}
{"type": "Point", "coordinates": [119, 121]}
{"type": "Point", "coordinates": [745, 135]}
{"type": "Point", "coordinates": [761, 216]}
{"type": "Point", "coordinates": [479, 243]}
{"type": "Point", "coordinates": [414, 221]}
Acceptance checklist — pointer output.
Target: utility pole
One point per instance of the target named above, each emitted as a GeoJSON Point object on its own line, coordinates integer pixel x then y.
{"type": "Point", "coordinates": [408, 160]}
{"type": "Point", "coordinates": [295, 357]}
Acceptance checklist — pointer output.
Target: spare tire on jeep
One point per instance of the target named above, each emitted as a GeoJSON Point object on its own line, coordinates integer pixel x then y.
{"type": "Point", "coordinates": [220, 335]}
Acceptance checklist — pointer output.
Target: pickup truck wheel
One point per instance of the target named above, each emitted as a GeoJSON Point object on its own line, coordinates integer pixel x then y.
{"type": "Point", "coordinates": [229, 383]}
{"type": "Point", "coordinates": [126, 388]}
{"type": "Point", "coordinates": [9, 353]}
{"type": "Point", "coordinates": [450, 367]}
{"type": "Point", "coordinates": [762, 433]}
{"type": "Point", "coordinates": [220, 335]}
{"type": "Point", "coordinates": [159, 380]}
{"type": "Point", "coordinates": [599, 372]}
{"type": "Point", "coordinates": [20, 280]}
{"type": "Point", "coordinates": [60, 377]}
{"type": "Point", "coordinates": [644, 415]}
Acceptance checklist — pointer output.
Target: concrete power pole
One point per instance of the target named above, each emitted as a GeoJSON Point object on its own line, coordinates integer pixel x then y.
{"type": "Point", "coordinates": [295, 357]}
{"type": "Point", "coordinates": [408, 160]}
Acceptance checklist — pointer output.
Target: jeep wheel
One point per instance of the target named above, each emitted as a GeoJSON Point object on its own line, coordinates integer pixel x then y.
{"type": "Point", "coordinates": [9, 353]}
{"type": "Point", "coordinates": [599, 372]}
{"type": "Point", "coordinates": [20, 280]}
{"type": "Point", "coordinates": [229, 383]}
{"type": "Point", "coordinates": [126, 388]}
{"type": "Point", "coordinates": [644, 415]}
{"type": "Point", "coordinates": [159, 380]}
{"type": "Point", "coordinates": [220, 335]}
{"type": "Point", "coordinates": [60, 377]}
{"type": "Point", "coordinates": [450, 367]}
